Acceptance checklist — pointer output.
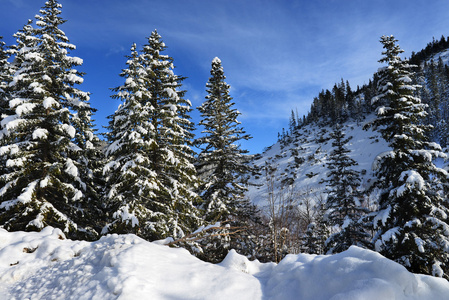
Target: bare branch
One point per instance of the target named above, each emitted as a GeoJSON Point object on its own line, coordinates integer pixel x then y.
{"type": "Point", "coordinates": [200, 234]}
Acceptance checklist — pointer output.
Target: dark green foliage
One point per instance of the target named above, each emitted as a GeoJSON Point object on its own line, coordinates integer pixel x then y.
{"type": "Point", "coordinates": [5, 111]}
{"type": "Point", "coordinates": [150, 175]}
{"type": "Point", "coordinates": [344, 201]}
{"type": "Point", "coordinates": [431, 49]}
{"type": "Point", "coordinates": [433, 76]}
{"type": "Point", "coordinates": [412, 213]}
{"type": "Point", "coordinates": [313, 240]}
{"type": "Point", "coordinates": [222, 165]}
{"type": "Point", "coordinates": [45, 181]}
{"type": "Point", "coordinates": [333, 106]}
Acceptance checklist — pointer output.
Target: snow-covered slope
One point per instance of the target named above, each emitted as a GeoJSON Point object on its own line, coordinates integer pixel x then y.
{"type": "Point", "coordinates": [304, 157]}
{"type": "Point", "coordinates": [444, 57]}
{"type": "Point", "coordinates": [44, 265]}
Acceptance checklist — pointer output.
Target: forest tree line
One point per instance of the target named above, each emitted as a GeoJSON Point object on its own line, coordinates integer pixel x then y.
{"type": "Point", "coordinates": [342, 103]}
{"type": "Point", "coordinates": [147, 180]}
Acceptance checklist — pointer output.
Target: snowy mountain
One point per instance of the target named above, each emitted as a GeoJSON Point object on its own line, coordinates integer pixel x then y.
{"type": "Point", "coordinates": [45, 265]}
{"type": "Point", "coordinates": [302, 157]}
{"type": "Point", "coordinates": [444, 56]}
{"type": "Point", "coordinates": [303, 205]}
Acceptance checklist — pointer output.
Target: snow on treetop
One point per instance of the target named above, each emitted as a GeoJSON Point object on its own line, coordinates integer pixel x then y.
{"type": "Point", "coordinates": [49, 102]}
{"type": "Point", "coordinates": [126, 215]}
{"type": "Point", "coordinates": [405, 79]}
{"type": "Point", "coordinates": [40, 23]}
{"type": "Point", "coordinates": [40, 133]}
{"type": "Point", "coordinates": [69, 129]}
{"type": "Point", "coordinates": [382, 216]}
{"type": "Point", "coordinates": [25, 108]}
{"type": "Point", "coordinates": [49, 3]}
{"type": "Point", "coordinates": [72, 78]}
{"type": "Point", "coordinates": [71, 169]}
{"type": "Point", "coordinates": [27, 193]}
{"type": "Point", "coordinates": [75, 60]}
{"type": "Point", "coordinates": [413, 178]}
{"type": "Point", "coordinates": [216, 60]}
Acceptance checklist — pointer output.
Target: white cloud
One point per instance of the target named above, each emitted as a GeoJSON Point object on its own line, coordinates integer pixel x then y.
{"type": "Point", "coordinates": [273, 52]}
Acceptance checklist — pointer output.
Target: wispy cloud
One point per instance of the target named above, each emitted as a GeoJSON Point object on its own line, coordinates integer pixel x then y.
{"type": "Point", "coordinates": [16, 3]}
{"type": "Point", "coordinates": [277, 55]}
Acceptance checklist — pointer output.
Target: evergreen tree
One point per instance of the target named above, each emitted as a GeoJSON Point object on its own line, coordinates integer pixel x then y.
{"type": "Point", "coordinates": [441, 115]}
{"type": "Point", "coordinates": [292, 123]}
{"type": "Point", "coordinates": [350, 100]}
{"type": "Point", "coordinates": [343, 202]}
{"type": "Point", "coordinates": [44, 183]}
{"type": "Point", "coordinates": [90, 160]}
{"type": "Point", "coordinates": [5, 78]}
{"type": "Point", "coordinates": [411, 218]}
{"type": "Point", "coordinates": [222, 165]}
{"type": "Point", "coordinates": [150, 175]}
{"type": "Point", "coordinates": [433, 99]}
{"type": "Point", "coordinates": [249, 241]}
{"type": "Point", "coordinates": [311, 240]}
{"type": "Point", "coordinates": [317, 232]}
{"type": "Point", "coordinates": [338, 91]}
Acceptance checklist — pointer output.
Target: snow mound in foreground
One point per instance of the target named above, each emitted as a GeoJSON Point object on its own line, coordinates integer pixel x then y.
{"type": "Point", "coordinates": [44, 265]}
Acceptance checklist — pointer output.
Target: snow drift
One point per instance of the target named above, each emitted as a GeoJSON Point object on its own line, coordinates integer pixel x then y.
{"type": "Point", "coordinates": [45, 265]}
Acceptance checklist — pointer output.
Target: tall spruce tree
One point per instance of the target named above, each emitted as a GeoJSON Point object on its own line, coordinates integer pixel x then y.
{"type": "Point", "coordinates": [222, 165]}
{"type": "Point", "coordinates": [411, 221]}
{"type": "Point", "coordinates": [44, 182]}
{"type": "Point", "coordinates": [5, 78]}
{"type": "Point", "coordinates": [150, 174]}
{"type": "Point", "coordinates": [343, 202]}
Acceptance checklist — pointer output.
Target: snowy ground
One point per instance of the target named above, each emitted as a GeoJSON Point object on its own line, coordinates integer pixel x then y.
{"type": "Point", "coordinates": [44, 265]}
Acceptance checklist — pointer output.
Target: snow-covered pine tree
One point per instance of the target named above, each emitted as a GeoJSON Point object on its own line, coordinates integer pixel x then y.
{"type": "Point", "coordinates": [442, 125]}
{"type": "Point", "coordinates": [89, 157]}
{"type": "Point", "coordinates": [292, 125]}
{"type": "Point", "coordinates": [130, 181]}
{"type": "Point", "coordinates": [250, 240]}
{"type": "Point", "coordinates": [5, 78]}
{"type": "Point", "coordinates": [411, 221]}
{"type": "Point", "coordinates": [343, 201]}
{"type": "Point", "coordinates": [435, 94]}
{"type": "Point", "coordinates": [222, 165]}
{"type": "Point", "coordinates": [313, 241]}
{"type": "Point", "coordinates": [150, 174]}
{"type": "Point", "coordinates": [44, 183]}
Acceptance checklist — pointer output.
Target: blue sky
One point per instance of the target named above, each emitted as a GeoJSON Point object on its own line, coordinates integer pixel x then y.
{"type": "Point", "coordinates": [277, 54]}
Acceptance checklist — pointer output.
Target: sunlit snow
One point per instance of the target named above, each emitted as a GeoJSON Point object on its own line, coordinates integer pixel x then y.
{"type": "Point", "coordinates": [44, 265]}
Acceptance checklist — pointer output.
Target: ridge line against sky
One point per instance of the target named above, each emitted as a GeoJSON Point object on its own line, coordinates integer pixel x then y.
{"type": "Point", "coordinates": [277, 55]}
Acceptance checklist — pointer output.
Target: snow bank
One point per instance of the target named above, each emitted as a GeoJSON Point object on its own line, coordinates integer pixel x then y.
{"type": "Point", "coordinates": [354, 274]}
{"type": "Point", "coordinates": [44, 265]}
